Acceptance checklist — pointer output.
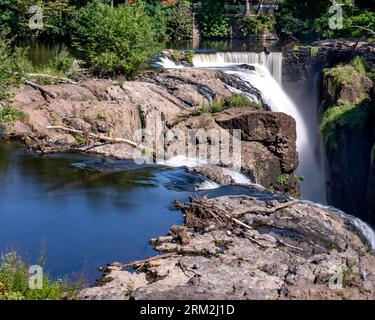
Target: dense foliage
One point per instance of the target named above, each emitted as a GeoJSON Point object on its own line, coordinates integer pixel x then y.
{"type": "Point", "coordinates": [117, 40]}
{"type": "Point", "coordinates": [15, 16]}
{"type": "Point", "coordinates": [213, 19]}
{"type": "Point", "coordinates": [309, 19]}
{"type": "Point", "coordinates": [172, 22]}
{"type": "Point", "coordinates": [258, 24]}
{"type": "Point", "coordinates": [11, 72]}
{"type": "Point", "coordinates": [113, 41]}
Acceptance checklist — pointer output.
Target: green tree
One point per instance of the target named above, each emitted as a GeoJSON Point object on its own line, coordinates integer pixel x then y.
{"type": "Point", "coordinates": [213, 19]}
{"type": "Point", "coordinates": [113, 41]}
{"type": "Point", "coordinates": [309, 19]}
{"type": "Point", "coordinates": [14, 18]}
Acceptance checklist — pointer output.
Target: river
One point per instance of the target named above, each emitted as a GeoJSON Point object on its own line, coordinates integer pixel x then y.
{"type": "Point", "coordinates": [82, 212]}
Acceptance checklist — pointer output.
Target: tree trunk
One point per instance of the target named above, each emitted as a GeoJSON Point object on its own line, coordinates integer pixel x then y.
{"type": "Point", "coordinates": [248, 9]}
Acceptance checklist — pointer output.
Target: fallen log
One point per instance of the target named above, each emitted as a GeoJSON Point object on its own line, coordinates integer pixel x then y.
{"type": "Point", "coordinates": [140, 263]}
{"type": "Point", "coordinates": [41, 89]}
{"type": "Point", "coordinates": [97, 136]}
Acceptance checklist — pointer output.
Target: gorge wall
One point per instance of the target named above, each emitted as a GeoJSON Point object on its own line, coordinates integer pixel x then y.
{"type": "Point", "coordinates": [344, 104]}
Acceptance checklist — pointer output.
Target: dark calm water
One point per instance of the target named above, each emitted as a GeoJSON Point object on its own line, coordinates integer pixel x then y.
{"type": "Point", "coordinates": [86, 211]}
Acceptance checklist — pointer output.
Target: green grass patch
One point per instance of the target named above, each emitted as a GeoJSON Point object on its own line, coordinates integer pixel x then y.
{"type": "Point", "coordinates": [349, 75]}
{"type": "Point", "coordinates": [240, 100]}
{"type": "Point", "coordinates": [283, 179]}
{"type": "Point", "coordinates": [359, 64]}
{"type": "Point", "coordinates": [342, 75]}
{"type": "Point", "coordinates": [217, 106]}
{"type": "Point", "coordinates": [314, 51]}
{"type": "Point", "coordinates": [14, 282]}
{"type": "Point", "coordinates": [10, 114]}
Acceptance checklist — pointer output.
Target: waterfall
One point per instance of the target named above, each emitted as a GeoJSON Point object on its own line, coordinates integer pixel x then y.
{"type": "Point", "coordinates": [265, 74]}
{"type": "Point", "coordinates": [272, 61]}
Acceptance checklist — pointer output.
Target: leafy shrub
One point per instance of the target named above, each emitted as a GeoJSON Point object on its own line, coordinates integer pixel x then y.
{"type": "Point", "coordinates": [9, 114]}
{"type": "Point", "coordinates": [189, 56]}
{"type": "Point", "coordinates": [180, 22]}
{"type": "Point", "coordinates": [14, 282]}
{"type": "Point", "coordinates": [14, 18]}
{"type": "Point", "coordinates": [213, 19]}
{"type": "Point", "coordinates": [259, 24]}
{"type": "Point", "coordinates": [64, 63]}
{"type": "Point", "coordinates": [10, 72]}
{"type": "Point", "coordinates": [283, 179]}
{"type": "Point", "coordinates": [217, 106]}
{"type": "Point", "coordinates": [113, 41]}
{"type": "Point", "coordinates": [309, 19]}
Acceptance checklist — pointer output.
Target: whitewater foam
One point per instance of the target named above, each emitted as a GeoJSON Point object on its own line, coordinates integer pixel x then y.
{"type": "Point", "coordinates": [207, 185]}
{"type": "Point", "coordinates": [183, 161]}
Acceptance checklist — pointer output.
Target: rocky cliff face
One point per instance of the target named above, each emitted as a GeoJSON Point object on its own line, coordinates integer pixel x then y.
{"type": "Point", "coordinates": [97, 115]}
{"type": "Point", "coordinates": [348, 131]}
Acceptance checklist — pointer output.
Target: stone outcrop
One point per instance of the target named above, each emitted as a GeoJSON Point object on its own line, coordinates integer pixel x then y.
{"type": "Point", "coordinates": [349, 137]}
{"type": "Point", "coordinates": [348, 164]}
{"type": "Point", "coordinates": [288, 250]}
{"type": "Point", "coordinates": [110, 109]}
{"type": "Point", "coordinates": [268, 144]}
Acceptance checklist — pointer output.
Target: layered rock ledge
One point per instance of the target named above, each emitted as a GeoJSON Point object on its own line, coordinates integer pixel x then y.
{"type": "Point", "coordinates": [242, 247]}
{"type": "Point", "coordinates": [96, 111]}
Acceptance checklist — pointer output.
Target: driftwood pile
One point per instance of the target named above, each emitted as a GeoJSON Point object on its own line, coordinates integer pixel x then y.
{"type": "Point", "coordinates": [201, 213]}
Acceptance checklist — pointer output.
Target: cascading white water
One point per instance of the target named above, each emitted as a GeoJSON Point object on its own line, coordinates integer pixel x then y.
{"type": "Point", "coordinates": [183, 161]}
{"type": "Point", "coordinates": [272, 61]}
{"type": "Point", "coordinates": [266, 77]}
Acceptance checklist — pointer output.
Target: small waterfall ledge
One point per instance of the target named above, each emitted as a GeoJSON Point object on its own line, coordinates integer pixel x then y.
{"type": "Point", "coordinates": [264, 72]}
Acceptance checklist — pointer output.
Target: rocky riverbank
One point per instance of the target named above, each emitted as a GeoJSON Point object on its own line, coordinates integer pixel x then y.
{"type": "Point", "coordinates": [243, 247]}
{"type": "Point", "coordinates": [263, 246]}
{"type": "Point", "coordinates": [101, 116]}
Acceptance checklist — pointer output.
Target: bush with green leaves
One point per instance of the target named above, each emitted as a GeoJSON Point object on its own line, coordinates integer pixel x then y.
{"type": "Point", "coordinates": [257, 25]}
{"type": "Point", "coordinates": [64, 63]}
{"type": "Point", "coordinates": [240, 100]}
{"type": "Point", "coordinates": [213, 19]}
{"type": "Point", "coordinates": [217, 106]}
{"type": "Point", "coordinates": [15, 16]}
{"type": "Point", "coordinates": [10, 72]}
{"type": "Point", "coordinates": [8, 114]}
{"type": "Point", "coordinates": [113, 41]}
{"type": "Point", "coordinates": [180, 22]}
{"type": "Point", "coordinates": [309, 19]}
{"type": "Point", "coordinates": [14, 282]}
